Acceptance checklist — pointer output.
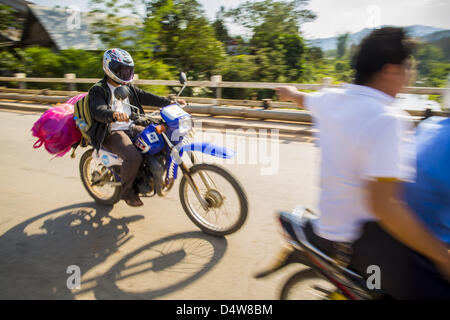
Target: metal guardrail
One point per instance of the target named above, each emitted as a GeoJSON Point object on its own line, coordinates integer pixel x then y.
{"type": "Point", "coordinates": [47, 96]}
{"type": "Point", "coordinates": [231, 111]}
{"type": "Point", "coordinates": [216, 82]}
{"type": "Point", "coordinates": [213, 110]}
{"type": "Point", "coordinates": [234, 108]}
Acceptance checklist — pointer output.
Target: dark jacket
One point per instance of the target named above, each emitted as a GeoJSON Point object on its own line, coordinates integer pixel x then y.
{"type": "Point", "coordinates": [102, 114]}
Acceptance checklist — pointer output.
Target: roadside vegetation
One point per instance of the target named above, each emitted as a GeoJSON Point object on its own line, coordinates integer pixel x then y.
{"type": "Point", "coordinates": [176, 35]}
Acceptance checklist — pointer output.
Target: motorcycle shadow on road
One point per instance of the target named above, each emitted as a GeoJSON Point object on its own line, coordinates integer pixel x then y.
{"type": "Point", "coordinates": [35, 256]}
{"type": "Point", "coordinates": [36, 253]}
{"type": "Point", "coordinates": [161, 267]}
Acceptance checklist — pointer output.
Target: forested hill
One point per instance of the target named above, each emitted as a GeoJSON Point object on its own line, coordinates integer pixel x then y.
{"type": "Point", "coordinates": [428, 34]}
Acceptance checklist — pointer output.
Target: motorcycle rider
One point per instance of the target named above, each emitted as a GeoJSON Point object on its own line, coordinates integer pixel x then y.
{"type": "Point", "coordinates": [429, 195]}
{"type": "Point", "coordinates": [363, 219]}
{"type": "Point", "coordinates": [111, 127]}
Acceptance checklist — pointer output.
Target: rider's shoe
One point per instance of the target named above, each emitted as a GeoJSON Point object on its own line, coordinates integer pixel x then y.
{"type": "Point", "coordinates": [133, 201]}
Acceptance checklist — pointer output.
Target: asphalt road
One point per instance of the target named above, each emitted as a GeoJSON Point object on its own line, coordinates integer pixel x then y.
{"type": "Point", "coordinates": [48, 222]}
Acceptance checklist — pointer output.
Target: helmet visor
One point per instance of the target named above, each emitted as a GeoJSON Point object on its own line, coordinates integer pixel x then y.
{"type": "Point", "coordinates": [122, 71]}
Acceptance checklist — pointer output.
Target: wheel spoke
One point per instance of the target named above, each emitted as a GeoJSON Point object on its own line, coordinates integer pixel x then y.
{"type": "Point", "coordinates": [307, 285]}
{"type": "Point", "coordinates": [220, 217]}
{"type": "Point", "coordinates": [102, 192]}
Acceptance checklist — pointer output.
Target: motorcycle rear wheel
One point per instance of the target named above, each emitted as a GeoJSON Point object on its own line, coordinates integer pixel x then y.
{"type": "Point", "coordinates": [111, 194]}
{"type": "Point", "coordinates": [307, 285]}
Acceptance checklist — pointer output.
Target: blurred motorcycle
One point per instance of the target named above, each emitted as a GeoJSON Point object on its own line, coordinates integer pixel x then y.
{"type": "Point", "coordinates": [210, 195]}
{"type": "Point", "coordinates": [323, 278]}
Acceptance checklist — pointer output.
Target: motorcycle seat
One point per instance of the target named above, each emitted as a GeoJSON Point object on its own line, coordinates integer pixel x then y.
{"type": "Point", "coordinates": [294, 224]}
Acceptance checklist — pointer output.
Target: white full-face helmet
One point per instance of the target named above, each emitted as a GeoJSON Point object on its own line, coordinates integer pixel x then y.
{"type": "Point", "coordinates": [118, 65]}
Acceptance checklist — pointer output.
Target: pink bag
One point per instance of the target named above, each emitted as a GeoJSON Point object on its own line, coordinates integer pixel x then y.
{"type": "Point", "coordinates": [56, 130]}
{"type": "Point", "coordinates": [75, 99]}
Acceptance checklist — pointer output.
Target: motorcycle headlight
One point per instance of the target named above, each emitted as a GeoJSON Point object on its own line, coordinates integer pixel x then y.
{"type": "Point", "coordinates": [184, 125]}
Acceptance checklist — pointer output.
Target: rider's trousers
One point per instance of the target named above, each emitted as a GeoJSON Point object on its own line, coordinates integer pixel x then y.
{"type": "Point", "coordinates": [119, 143]}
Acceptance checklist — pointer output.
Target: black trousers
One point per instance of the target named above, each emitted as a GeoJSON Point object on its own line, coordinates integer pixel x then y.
{"type": "Point", "coordinates": [405, 274]}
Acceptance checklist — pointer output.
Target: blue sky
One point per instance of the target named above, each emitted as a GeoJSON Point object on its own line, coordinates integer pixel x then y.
{"type": "Point", "coordinates": [338, 16]}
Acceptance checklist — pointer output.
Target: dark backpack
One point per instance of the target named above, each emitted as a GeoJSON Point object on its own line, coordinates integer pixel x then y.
{"type": "Point", "coordinates": [82, 114]}
{"type": "Point", "coordinates": [83, 118]}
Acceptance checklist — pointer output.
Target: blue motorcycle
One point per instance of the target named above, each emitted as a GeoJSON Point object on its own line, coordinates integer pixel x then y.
{"type": "Point", "coordinates": [210, 195]}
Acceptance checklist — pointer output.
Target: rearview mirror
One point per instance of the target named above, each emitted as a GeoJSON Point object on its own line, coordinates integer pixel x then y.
{"type": "Point", "coordinates": [183, 78]}
{"type": "Point", "coordinates": [121, 93]}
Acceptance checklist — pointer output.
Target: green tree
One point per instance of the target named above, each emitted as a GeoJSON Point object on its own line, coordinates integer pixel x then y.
{"type": "Point", "coordinates": [41, 62]}
{"type": "Point", "coordinates": [272, 16]}
{"type": "Point", "coordinates": [342, 44]}
{"type": "Point", "coordinates": [290, 46]}
{"type": "Point", "coordinates": [432, 68]}
{"type": "Point", "coordinates": [239, 68]}
{"type": "Point", "coordinates": [188, 40]}
{"type": "Point", "coordinates": [342, 71]}
{"type": "Point", "coordinates": [121, 24]}
{"type": "Point", "coordinates": [84, 64]}
{"type": "Point", "coordinates": [11, 62]}
{"type": "Point", "coordinates": [314, 54]}
{"type": "Point", "coordinates": [219, 26]}
{"type": "Point", "coordinates": [313, 62]}
{"type": "Point", "coordinates": [7, 18]}
{"type": "Point", "coordinates": [115, 23]}
{"type": "Point", "coordinates": [275, 27]}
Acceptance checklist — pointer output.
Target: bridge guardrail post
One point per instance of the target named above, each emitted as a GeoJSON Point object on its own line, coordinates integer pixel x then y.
{"type": "Point", "coordinates": [71, 76]}
{"type": "Point", "coordinates": [326, 82]}
{"type": "Point", "coordinates": [267, 104]}
{"type": "Point", "coordinates": [22, 85]}
{"type": "Point", "coordinates": [218, 90]}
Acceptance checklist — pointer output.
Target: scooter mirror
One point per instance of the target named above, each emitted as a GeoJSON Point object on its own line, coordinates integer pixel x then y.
{"type": "Point", "coordinates": [121, 93]}
{"type": "Point", "coordinates": [183, 78]}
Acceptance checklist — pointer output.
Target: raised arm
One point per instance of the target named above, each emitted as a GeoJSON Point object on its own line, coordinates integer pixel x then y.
{"type": "Point", "coordinates": [290, 93]}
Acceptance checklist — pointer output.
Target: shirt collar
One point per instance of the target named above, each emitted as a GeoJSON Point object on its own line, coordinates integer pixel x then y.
{"type": "Point", "coordinates": [368, 91]}
{"type": "Point", "coordinates": [111, 87]}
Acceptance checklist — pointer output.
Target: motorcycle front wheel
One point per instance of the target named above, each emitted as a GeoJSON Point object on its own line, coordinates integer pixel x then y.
{"type": "Point", "coordinates": [225, 206]}
{"type": "Point", "coordinates": [107, 190]}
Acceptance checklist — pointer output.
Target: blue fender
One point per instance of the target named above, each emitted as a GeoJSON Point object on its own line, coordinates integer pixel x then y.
{"type": "Point", "coordinates": [208, 148]}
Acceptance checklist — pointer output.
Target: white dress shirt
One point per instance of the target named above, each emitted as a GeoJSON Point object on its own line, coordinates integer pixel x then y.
{"type": "Point", "coordinates": [361, 138]}
{"type": "Point", "coordinates": [117, 105]}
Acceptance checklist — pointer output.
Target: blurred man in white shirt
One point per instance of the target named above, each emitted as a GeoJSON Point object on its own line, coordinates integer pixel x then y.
{"type": "Point", "coordinates": [365, 155]}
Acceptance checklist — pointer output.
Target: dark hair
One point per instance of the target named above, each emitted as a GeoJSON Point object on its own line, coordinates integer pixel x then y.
{"type": "Point", "coordinates": [382, 46]}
